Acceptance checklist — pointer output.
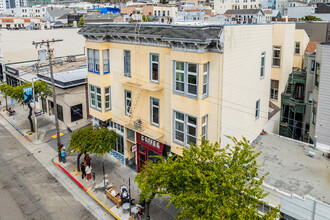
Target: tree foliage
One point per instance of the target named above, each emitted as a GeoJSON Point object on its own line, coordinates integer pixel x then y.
{"type": "Point", "coordinates": [146, 18]}
{"type": "Point", "coordinates": [41, 89]}
{"type": "Point", "coordinates": [310, 18]}
{"type": "Point", "coordinates": [97, 141]}
{"type": "Point", "coordinates": [81, 21]}
{"type": "Point", "coordinates": [208, 182]}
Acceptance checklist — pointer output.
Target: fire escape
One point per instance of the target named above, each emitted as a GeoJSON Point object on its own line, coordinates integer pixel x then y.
{"type": "Point", "coordinates": [293, 106]}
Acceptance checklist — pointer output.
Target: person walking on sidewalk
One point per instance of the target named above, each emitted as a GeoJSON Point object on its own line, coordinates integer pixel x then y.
{"type": "Point", "coordinates": [88, 172]}
{"type": "Point", "coordinates": [88, 160]}
{"type": "Point", "coordinates": [82, 168]}
{"type": "Point", "coordinates": [63, 153]}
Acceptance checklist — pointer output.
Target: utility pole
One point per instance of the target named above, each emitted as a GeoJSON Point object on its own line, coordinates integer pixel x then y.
{"type": "Point", "coordinates": [47, 42]}
{"type": "Point", "coordinates": [34, 110]}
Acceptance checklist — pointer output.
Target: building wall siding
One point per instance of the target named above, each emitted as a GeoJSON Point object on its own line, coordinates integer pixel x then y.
{"type": "Point", "coordinates": [323, 109]}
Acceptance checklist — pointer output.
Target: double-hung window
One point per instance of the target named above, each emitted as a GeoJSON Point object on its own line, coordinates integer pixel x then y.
{"type": "Point", "coordinates": [192, 79]}
{"type": "Point", "coordinates": [179, 77]}
{"type": "Point", "coordinates": [128, 102]}
{"type": "Point", "coordinates": [317, 75]}
{"type": "Point", "coordinates": [95, 97]}
{"type": "Point", "coordinates": [274, 89]}
{"type": "Point", "coordinates": [93, 60]}
{"type": "Point", "coordinates": [205, 80]}
{"type": "Point", "coordinates": [97, 61]}
{"type": "Point", "coordinates": [106, 61]}
{"type": "Point", "coordinates": [312, 68]}
{"type": "Point", "coordinates": [297, 48]}
{"type": "Point", "coordinates": [127, 63]}
{"type": "Point", "coordinates": [154, 68]}
{"type": "Point", "coordinates": [204, 127]}
{"type": "Point", "coordinates": [185, 129]}
{"type": "Point", "coordinates": [90, 54]}
{"type": "Point", "coordinates": [257, 109]}
{"type": "Point", "coordinates": [314, 109]}
{"type": "Point", "coordinates": [154, 111]}
{"type": "Point", "coordinates": [262, 66]}
{"type": "Point", "coordinates": [186, 78]}
{"type": "Point", "coordinates": [107, 98]}
{"type": "Point", "coordinates": [276, 56]}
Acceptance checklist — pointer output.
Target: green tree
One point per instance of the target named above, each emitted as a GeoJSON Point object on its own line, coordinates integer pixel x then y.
{"type": "Point", "coordinates": [81, 21]}
{"type": "Point", "coordinates": [41, 89]}
{"type": "Point", "coordinates": [208, 182]}
{"type": "Point", "coordinates": [146, 18]}
{"type": "Point", "coordinates": [310, 18]}
{"type": "Point", "coordinates": [98, 141]}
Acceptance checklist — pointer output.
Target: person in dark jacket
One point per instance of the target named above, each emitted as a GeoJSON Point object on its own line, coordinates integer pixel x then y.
{"type": "Point", "coordinates": [82, 168]}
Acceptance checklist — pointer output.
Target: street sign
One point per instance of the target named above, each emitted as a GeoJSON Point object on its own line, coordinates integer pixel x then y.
{"type": "Point", "coordinates": [28, 97]}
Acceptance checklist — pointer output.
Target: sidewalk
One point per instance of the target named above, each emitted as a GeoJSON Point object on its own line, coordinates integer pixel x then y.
{"type": "Point", "coordinates": [118, 174]}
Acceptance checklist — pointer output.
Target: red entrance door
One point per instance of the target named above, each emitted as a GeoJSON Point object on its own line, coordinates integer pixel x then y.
{"type": "Point", "coordinates": [142, 157]}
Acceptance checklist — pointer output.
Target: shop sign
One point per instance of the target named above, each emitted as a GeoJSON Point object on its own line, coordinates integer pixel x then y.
{"type": "Point", "coordinates": [134, 148]}
{"type": "Point", "coordinates": [149, 143]}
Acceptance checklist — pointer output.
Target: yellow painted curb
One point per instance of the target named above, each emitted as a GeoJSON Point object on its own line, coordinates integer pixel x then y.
{"type": "Point", "coordinates": [55, 136]}
{"type": "Point", "coordinates": [113, 214]}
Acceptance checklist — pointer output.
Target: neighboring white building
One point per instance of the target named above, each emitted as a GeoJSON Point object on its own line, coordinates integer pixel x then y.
{"type": "Point", "coordinates": [190, 15]}
{"type": "Point", "coordinates": [16, 45]}
{"type": "Point", "coordinates": [220, 6]}
{"type": "Point", "coordinates": [299, 183]}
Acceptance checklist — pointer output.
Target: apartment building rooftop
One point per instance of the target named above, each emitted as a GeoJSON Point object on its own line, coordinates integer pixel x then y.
{"type": "Point", "coordinates": [162, 32]}
{"type": "Point", "coordinates": [291, 169]}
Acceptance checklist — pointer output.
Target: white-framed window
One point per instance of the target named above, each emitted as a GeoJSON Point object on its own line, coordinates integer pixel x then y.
{"type": "Point", "coordinates": [185, 128]}
{"type": "Point", "coordinates": [297, 48]}
{"type": "Point", "coordinates": [186, 79]}
{"type": "Point", "coordinates": [97, 61]}
{"type": "Point", "coordinates": [179, 77]}
{"type": "Point", "coordinates": [317, 75]}
{"type": "Point", "coordinates": [205, 80]}
{"type": "Point", "coordinates": [107, 98]}
{"type": "Point", "coordinates": [154, 111]}
{"type": "Point", "coordinates": [257, 109]}
{"type": "Point", "coordinates": [106, 61]}
{"type": "Point", "coordinates": [127, 63]}
{"type": "Point", "coordinates": [314, 110]}
{"type": "Point", "coordinates": [90, 54]}
{"type": "Point", "coordinates": [204, 127]}
{"type": "Point", "coordinates": [276, 56]}
{"type": "Point", "coordinates": [154, 68]}
{"type": "Point", "coordinates": [95, 97]}
{"type": "Point", "coordinates": [262, 66]}
{"type": "Point", "coordinates": [274, 89]}
{"type": "Point", "coordinates": [128, 102]}
{"type": "Point", "coordinates": [192, 79]}
{"type": "Point", "coordinates": [312, 68]}
{"type": "Point", "coordinates": [179, 131]}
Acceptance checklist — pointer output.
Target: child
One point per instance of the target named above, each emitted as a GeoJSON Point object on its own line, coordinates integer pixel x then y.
{"type": "Point", "coordinates": [88, 171]}
{"type": "Point", "coordinates": [83, 172]}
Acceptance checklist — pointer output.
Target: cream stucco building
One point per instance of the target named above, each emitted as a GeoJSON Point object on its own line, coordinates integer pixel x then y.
{"type": "Point", "coordinates": [164, 87]}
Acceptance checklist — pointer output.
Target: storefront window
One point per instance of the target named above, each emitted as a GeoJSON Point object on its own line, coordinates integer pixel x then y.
{"type": "Point", "coordinates": [151, 156]}
{"type": "Point", "coordinates": [120, 145]}
{"type": "Point", "coordinates": [142, 149]}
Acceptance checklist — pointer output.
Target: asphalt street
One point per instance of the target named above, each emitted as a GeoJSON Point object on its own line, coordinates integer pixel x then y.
{"type": "Point", "coordinates": [28, 191]}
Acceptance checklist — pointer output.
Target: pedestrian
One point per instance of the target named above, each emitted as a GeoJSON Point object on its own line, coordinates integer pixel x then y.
{"type": "Point", "coordinates": [88, 160]}
{"type": "Point", "coordinates": [88, 170]}
{"type": "Point", "coordinates": [83, 172]}
{"type": "Point", "coordinates": [63, 153]}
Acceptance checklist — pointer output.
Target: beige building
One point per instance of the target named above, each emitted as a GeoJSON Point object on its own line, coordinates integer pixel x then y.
{"type": "Point", "coordinates": [19, 22]}
{"type": "Point", "coordinates": [163, 88]}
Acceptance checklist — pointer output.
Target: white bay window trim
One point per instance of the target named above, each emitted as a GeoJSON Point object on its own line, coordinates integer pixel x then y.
{"type": "Point", "coordinates": [95, 97]}
{"type": "Point", "coordinates": [107, 98]}
{"type": "Point", "coordinates": [185, 129]}
{"type": "Point", "coordinates": [185, 79]}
